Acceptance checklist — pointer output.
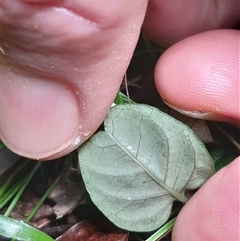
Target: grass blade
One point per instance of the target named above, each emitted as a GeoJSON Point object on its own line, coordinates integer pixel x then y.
{"type": "Point", "coordinates": [162, 231]}
{"type": "Point", "coordinates": [38, 205]}
{"type": "Point", "coordinates": [10, 193]}
{"type": "Point", "coordinates": [11, 228]}
{"type": "Point", "coordinates": [6, 185]}
{"type": "Point", "coordinates": [19, 193]}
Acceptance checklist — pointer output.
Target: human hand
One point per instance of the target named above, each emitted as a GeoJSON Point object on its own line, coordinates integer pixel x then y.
{"type": "Point", "coordinates": [58, 81]}
{"type": "Point", "coordinates": [200, 77]}
{"type": "Point", "coordinates": [62, 63]}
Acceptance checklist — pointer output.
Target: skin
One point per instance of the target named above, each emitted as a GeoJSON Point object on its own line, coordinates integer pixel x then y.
{"type": "Point", "coordinates": [58, 81]}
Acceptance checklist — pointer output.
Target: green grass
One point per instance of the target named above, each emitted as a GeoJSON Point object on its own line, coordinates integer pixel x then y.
{"type": "Point", "coordinates": [11, 193]}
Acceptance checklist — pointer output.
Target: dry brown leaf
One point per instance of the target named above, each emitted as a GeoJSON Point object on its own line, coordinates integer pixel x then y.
{"type": "Point", "coordinates": [67, 195]}
{"type": "Point", "coordinates": [200, 127]}
{"type": "Point", "coordinates": [25, 205]}
{"type": "Point", "coordinates": [98, 229]}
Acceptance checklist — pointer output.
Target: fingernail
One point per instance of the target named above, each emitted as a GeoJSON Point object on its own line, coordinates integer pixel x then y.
{"type": "Point", "coordinates": [201, 114]}
{"type": "Point", "coordinates": [39, 118]}
{"type": "Point", "coordinates": [73, 146]}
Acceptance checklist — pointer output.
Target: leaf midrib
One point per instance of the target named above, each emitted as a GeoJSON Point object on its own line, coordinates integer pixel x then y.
{"type": "Point", "coordinates": [176, 195]}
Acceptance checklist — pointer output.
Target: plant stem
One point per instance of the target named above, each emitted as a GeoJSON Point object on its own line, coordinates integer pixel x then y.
{"type": "Point", "coordinates": [162, 231]}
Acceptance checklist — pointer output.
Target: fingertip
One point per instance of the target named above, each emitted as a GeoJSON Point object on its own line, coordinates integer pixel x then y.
{"type": "Point", "coordinates": [40, 118]}
{"type": "Point", "coordinates": [213, 212]}
{"type": "Point", "coordinates": [201, 73]}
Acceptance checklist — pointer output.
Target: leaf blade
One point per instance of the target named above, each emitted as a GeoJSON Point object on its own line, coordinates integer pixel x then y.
{"type": "Point", "coordinates": [19, 230]}
{"type": "Point", "coordinates": [131, 180]}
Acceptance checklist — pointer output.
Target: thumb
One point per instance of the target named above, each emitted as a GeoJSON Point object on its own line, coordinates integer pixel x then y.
{"type": "Point", "coordinates": [213, 212]}
{"type": "Point", "coordinates": [200, 75]}
{"type": "Point", "coordinates": [61, 64]}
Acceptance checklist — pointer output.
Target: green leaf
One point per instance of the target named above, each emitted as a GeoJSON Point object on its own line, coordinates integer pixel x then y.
{"type": "Point", "coordinates": [11, 228]}
{"type": "Point", "coordinates": [222, 155]}
{"type": "Point", "coordinates": [122, 99]}
{"type": "Point", "coordinates": [141, 164]}
{"type": "Point", "coordinates": [1, 145]}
